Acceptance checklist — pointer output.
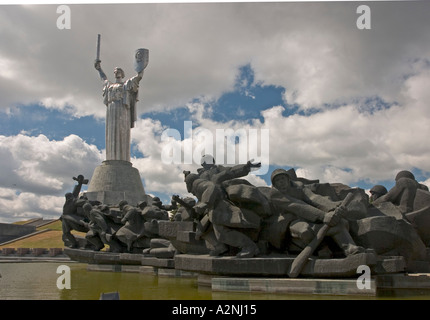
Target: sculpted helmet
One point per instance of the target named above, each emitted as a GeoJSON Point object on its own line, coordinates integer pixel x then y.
{"type": "Point", "coordinates": [156, 202]}
{"type": "Point", "coordinates": [278, 172]}
{"type": "Point", "coordinates": [87, 206]}
{"type": "Point", "coordinates": [69, 195]}
{"type": "Point", "coordinates": [207, 159]}
{"type": "Point", "coordinates": [122, 204]}
{"type": "Point", "coordinates": [379, 189]}
{"type": "Point", "coordinates": [142, 204]}
{"type": "Point", "coordinates": [405, 174]}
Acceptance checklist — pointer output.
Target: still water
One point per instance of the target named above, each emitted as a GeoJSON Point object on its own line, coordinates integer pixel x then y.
{"type": "Point", "coordinates": [38, 281]}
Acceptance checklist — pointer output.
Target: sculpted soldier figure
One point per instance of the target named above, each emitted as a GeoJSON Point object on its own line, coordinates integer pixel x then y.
{"type": "Point", "coordinates": [140, 224]}
{"type": "Point", "coordinates": [102, 228]}
{"type": "Point", "coordinates": [219, 174]}
{"type": "Point", "coordinates": [185, 212]}
{"type": "Point", "coordinates": [240, 191]}
{"type": "Point", "coordinates": [133, 228]}
{"type": "Point", "coordinates": [412, 201]}
{"type": "Point", "coordinates": [227, 219]}
{"type": "Point", "coordinates": [73, 217]}
{"type": "Point", "coordinates": [403, 193]}
{"type": "Point", "coordinates": [287, 199]}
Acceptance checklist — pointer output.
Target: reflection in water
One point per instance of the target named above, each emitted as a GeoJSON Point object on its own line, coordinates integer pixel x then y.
{"type": "Point", "coordinates": [29, 281]}
{"type": "Point", "coordinates": [39, 281]}
{"type": "Point", "coordinates": [88, 285]}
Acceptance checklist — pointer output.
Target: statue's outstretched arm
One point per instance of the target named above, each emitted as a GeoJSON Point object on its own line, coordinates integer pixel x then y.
{"type": "Point", "coordinates": [139, 75]}
{"type": "Point", "coordinates": [99, 69]}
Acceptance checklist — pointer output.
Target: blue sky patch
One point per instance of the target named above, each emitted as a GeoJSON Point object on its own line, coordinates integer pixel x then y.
{"type": "Point", "coordinates": [244, 103]}
{"type": "Point", "coordinates": [33, 120]}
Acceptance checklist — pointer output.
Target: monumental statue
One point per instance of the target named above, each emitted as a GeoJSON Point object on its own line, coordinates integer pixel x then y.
{"type": "Point", "coordinates": [120, 98]}
{"type": "Point", "coordinates": [116, 179]}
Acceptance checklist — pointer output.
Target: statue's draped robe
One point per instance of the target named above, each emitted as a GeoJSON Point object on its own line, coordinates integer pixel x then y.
{"type": "Point", "coordinates": [120, 100]}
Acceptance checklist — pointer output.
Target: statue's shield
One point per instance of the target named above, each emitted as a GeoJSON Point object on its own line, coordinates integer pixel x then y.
{"type": "Point", "coordinates": [141, 59]}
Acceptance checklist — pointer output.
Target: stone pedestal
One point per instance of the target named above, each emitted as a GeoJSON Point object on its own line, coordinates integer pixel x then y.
{"type": "Point", "coordinates": [116, 180]}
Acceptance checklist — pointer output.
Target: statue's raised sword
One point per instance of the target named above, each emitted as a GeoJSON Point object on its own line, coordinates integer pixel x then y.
{"type": "Point", "coordinates": [98, 48]}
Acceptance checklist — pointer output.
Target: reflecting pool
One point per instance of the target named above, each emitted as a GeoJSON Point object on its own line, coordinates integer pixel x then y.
{"type": "Point", "coordinates": [38, 281]}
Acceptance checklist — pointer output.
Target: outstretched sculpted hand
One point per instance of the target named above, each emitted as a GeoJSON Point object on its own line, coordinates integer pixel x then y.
{"type": "Point", "coordinates": [253, 165]}
{"type": "Point", "coordinates": [97, 64]}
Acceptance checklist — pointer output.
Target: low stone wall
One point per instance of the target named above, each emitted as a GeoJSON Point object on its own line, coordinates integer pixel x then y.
{"type": "Point", "coordinates": [8, 251]}
{"type": "Point", "coordinates": [11, 231]}
{"type": "Point", "coordinates": [22, 251]}
{"type": "Point", "coordinates": [55, 251]}
{"type": "Point", "coordinates": [35, 252]}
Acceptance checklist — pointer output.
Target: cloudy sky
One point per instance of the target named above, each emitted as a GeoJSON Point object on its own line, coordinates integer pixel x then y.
{"type": "Point", "coordinates": [300, 84]}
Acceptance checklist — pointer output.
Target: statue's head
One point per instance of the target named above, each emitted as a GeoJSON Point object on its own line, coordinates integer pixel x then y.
{"type": "Point", "coordinates": [156, 202]}
{"type": "Point", "coordinates": [122, 204]}
{"type": "Point", "coordinates": [119, 73]}
{"type": "Point", "coordinates": [377, 191]}
{"type": "Point", "coordinates": [280, 179]}
{"type": "Point", "coordinates": [142, 205]}
{"type": "Point", "coordinates": [405, 174]}
{"type": "Point", "coordinates": [207, 161]}
{"type": "Point", "coordinates": [87, 207]}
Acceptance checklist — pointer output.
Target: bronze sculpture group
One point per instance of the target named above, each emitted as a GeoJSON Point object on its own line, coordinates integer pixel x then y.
{"type": "Point", "coordinates": [236, 218]}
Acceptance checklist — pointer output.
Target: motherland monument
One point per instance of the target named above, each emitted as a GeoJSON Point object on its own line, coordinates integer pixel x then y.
{"type": "Point", "coordinates": [116, 179]}
{"type": "Point", "coordinates": [295, 227]}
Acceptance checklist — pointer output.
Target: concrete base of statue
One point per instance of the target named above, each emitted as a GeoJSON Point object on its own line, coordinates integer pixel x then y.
{"type": "Point", "coordinates": [114, 181]}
